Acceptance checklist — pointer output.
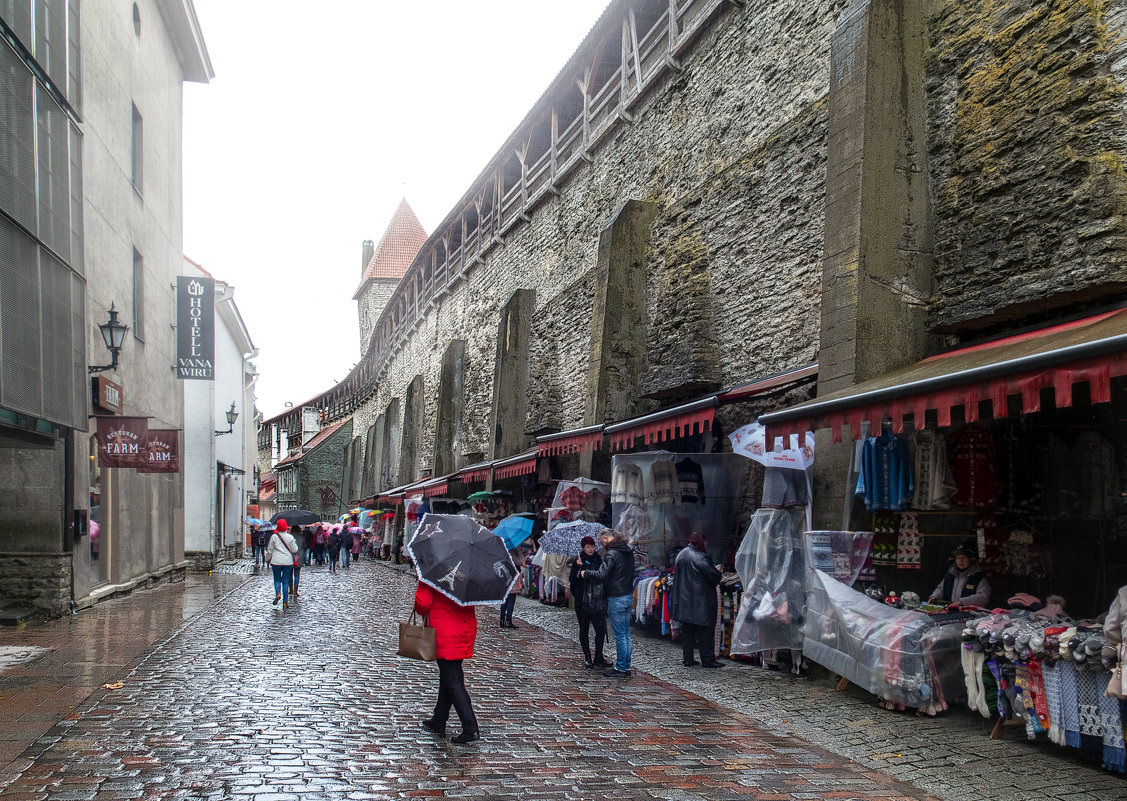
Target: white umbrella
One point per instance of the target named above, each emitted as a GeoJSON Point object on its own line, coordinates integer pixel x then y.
{"type": "Point", "coordinates": [751, 441]}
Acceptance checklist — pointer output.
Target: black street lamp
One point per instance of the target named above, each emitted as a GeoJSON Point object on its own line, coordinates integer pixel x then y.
{"type": "Point", "coordinates": [232, 416]}
{"type": "Point", "coordinates": [113, 334]}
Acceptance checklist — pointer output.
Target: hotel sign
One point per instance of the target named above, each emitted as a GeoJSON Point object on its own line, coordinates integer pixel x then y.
{"type": "Point", "coordinates": [195, 328]}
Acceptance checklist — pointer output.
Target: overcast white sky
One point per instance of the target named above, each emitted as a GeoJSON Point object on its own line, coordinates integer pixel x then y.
{"type": "Point", "coordinates": [321, 117]}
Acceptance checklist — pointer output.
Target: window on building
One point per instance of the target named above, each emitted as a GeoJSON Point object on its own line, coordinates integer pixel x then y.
{"type": "Point", "coordinates": [138, 296]}
{"type": "Point", "coordinates": [138, 142]}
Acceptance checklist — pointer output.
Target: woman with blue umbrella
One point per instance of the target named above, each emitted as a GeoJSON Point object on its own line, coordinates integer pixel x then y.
{"type": "Point", "coordinates": [514, 530]}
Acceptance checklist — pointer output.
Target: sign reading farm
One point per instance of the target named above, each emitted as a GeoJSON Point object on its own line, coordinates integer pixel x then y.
{"type": "Point", "coordinates": [195, 328]}
{"type": "Point", "coordinates": [121, 441]}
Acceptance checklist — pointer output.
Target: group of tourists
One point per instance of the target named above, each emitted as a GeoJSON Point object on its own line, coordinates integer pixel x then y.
{"type": "Point", "coordinates": [602, 586]}
{"type": "Point", "coordinates": [285, 549]}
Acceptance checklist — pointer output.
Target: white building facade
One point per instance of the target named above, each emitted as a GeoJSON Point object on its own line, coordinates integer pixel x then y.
{"type": "Point", "coordinates": [218, 462]}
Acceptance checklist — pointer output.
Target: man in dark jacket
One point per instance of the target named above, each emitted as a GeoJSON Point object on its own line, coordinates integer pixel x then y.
{"type": "Point", "coordinates": [693, 602]}
{"type": "Point", "coordinates": [616, 575]}
{"type": "Point", "coordinates": [590, 604]}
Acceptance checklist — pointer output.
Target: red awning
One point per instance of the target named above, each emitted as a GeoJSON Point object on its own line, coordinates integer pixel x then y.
{"type": "Point", "coordinates": [750, 390]}
{"type": "Point", "coordinates": [430, 490]}
{"type": "Point", "coordinates": [574, 441]}
{"type": "Point", "coordinates": [680, 421]}
{"type": "Point", "coordinates": [1091, 350]}
{"type": "Point", "coordinates": [522, 465]}
{"type": "Point", "coordinates": [477, 474]}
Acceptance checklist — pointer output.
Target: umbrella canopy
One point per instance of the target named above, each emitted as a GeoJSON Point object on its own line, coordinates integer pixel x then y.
{"type": "Point", "coordinates": [254, 521]}
{"type": "Point", "coordinates": [483, 495]}
{"type": "Point", "coordinates": [297, 517]}
{"type": "Point", "coordinates": [464, 561]}
{"type": "Point", "coordinates": [751, 441]}
{"type": "Point", "coordinates": [514, 530]}
{"type": "Point", "coordinates": [566, 538]}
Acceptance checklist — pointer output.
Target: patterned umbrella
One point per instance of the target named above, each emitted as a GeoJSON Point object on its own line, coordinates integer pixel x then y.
{"type": "Point", "coordinates": [566, 539]}
{"type": "Point", "coordinates": [463, 560]}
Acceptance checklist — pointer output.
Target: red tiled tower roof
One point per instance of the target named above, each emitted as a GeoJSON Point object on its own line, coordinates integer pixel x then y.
{"type": "Point", "coordinates": [398, 247]}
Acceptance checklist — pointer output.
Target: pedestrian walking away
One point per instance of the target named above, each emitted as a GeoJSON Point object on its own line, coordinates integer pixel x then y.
{"type": "Point", "coordinates": [334, 547]}
{"type": "Point", "coordinates": [455, 630]}
{"type": "Point", "coordinates": [590, 604]}
{"type": "Point", "coordinates": [258, 543]}
{"type": "Point", "coordinates": [693, 602]}
{"type": "Point", "coordinates": [616, 574]}
{"type": "Point", "coordinates": [299, 535]}
{"type": "Point", "coordinates": [280, 552]}
{"type": "Point", "coordinates": [510, 602]}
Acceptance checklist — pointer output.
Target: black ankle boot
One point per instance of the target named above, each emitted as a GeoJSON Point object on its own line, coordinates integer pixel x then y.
{"type": "Point", "coordinates": [465, 737]}
{"type": "Point", "coordinates": [433, 727]}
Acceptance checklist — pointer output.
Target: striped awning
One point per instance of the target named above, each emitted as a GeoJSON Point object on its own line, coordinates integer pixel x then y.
{"type": "Point", "coordinates": [574, 441]}
{"type": "Point", "coordinates": [680, 421]}
{"type": "Point", "coordinates": [522, 465]}
{"type": "Point", "coordinates": [1091, 350]}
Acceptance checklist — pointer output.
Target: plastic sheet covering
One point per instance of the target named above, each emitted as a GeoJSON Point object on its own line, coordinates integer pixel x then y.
{"type": "Point", "coordinates": [885, 650]}
{"type": "Point", "coordinates": [840, 554]}
{"type": "Point", "coordinates": [772, 568]}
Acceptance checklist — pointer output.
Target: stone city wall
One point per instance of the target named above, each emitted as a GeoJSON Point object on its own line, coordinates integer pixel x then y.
{"type": "Point", "coordinates": [731, 152]}
{"type": "Point", "coordinates": [1027, 146]}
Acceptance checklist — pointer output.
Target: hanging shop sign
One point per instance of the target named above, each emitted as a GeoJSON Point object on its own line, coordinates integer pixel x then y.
{"type": "Point", "coordinates": [108, 395]}
{"type": "Point", "coordinates": [161, 451]}
{"type": "Point", "coordinates": [121, 440]}
{"type": "Point", "coordinates": [195, 328]}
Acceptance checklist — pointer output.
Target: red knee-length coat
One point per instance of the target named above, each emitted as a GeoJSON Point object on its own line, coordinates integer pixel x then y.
{"type": "Point", "coordinates": [455, 627]}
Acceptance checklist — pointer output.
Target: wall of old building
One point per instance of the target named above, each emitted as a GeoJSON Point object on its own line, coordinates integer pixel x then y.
{"type": "Point", "coordinates": [729, 153]}
{"type": "Point", "coordinates": [1026, 152]}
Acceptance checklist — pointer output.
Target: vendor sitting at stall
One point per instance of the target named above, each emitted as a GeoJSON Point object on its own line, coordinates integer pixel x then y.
{"type": "Point", "coordinates": [965, 584]}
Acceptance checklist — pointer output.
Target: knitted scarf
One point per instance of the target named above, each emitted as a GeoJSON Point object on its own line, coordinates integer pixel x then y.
{"type": "Point", "coordinates": [1051, 675]}
{"type": "Point", "coordinates": [1040, 702]}
{"type": "Point", "coordinates": [1069, 706]}
{"type": "Point", "coordinates": [968, 676]}
{"type": "Point", "coordinates": [1091, 727]}
{"type": "Point", "coordinates": [1115, 755]}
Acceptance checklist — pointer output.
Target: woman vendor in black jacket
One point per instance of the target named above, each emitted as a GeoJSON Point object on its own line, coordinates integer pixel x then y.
{"type": "Point", "coordinates": [693, 602]}
{"type": "Point", "coordinates": [590, 604]}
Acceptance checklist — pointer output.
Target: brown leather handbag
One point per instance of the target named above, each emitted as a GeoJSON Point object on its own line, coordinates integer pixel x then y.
{"type": "Point", "coordinates": [417, 642]}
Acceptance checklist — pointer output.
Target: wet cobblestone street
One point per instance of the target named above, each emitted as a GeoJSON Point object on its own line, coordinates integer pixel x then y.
{"type": "Point", "coordinates": [238, 699]}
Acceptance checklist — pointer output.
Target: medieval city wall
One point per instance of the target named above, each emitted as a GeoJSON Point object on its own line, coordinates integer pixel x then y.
{"type": "Point", "coordinates": [731, 151]}
{"type": "Point", "coordinates": [1026, 149]}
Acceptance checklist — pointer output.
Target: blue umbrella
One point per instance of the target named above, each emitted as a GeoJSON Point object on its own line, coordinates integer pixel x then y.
{"type": "Point", "coordinates": [514, 530]}
{"type": "Point", "coordinates": [254, 521]}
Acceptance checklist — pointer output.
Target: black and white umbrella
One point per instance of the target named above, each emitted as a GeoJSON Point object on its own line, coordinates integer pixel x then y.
{"type": "Point", "coordinates": [463, 560]}
{"type": "Point", "coordinates": [297, 517]}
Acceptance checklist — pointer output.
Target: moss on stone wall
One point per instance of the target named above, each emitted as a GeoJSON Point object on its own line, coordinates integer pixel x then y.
{"type": "Point", "coordinates": [1027, 144]}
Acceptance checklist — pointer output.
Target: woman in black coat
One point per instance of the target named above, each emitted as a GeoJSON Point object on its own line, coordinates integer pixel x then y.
{"type": "Point", "coordinates": [590, 604]}
{"type": "Point", "coordinates": [693, 602]}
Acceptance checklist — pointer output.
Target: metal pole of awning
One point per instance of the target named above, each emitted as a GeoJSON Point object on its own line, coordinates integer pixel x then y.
{"type": "Point", "coordinates": [1035, 361]}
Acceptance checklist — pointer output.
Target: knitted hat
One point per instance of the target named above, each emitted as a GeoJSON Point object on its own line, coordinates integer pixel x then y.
{"type": "Point", "coordinates": [965, 550]}
{"type": "Point", "coordinates": [588, 540]}
{"type": "Point", "coordinates": [281, 526]}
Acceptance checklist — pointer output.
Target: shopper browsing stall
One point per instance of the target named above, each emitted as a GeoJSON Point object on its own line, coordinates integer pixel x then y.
{"type": "Point", "coordinates": [693, 602]}
{"type": "Point", "coordinates": [964, 584]}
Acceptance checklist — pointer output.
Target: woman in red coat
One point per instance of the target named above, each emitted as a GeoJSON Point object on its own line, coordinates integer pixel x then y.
{"type": "Point", "coordinates": [455, 629]}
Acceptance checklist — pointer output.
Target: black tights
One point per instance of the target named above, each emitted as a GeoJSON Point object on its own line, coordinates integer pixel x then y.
{"type": "Point", "coordinates": [452, 692]}
{"type": "Point", "coordinates": [599, 621]}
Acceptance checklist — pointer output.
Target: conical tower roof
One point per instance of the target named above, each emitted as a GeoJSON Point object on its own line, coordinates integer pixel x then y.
{"type": "Point", "coordinates": [398, 247]}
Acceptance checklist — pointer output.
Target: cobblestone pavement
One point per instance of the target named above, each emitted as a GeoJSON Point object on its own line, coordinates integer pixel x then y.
{"type": "Point", "coordinates": [245, 700]}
